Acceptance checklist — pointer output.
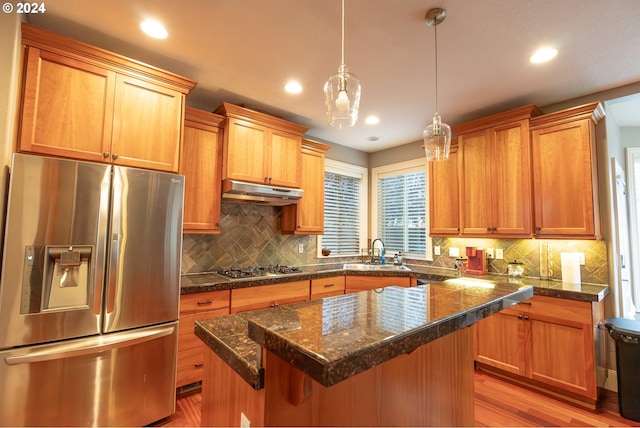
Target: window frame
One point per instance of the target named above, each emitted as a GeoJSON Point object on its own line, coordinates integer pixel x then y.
{"type": "Point", "coordinates": [362, 173]}
{"type": "Point", "coordinates": [398, 168]}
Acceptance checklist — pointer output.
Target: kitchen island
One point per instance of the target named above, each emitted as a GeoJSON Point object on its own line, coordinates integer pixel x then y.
{"type": "Point", "coordinates": [391, 356]}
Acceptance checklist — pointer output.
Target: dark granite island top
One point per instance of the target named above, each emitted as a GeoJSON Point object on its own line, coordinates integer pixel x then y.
{"type": "Point", "coordinates": [337, 340]}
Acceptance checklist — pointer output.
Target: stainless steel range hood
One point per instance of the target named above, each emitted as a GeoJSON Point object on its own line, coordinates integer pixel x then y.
{"type": "Point", "coordinates": [240, 191]}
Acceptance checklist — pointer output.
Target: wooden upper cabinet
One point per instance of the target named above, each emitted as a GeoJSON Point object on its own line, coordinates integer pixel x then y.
{"type": "Point", "coordinates": [565, 187]}
{"type": "Point", "coordinates": [83, 102]}
{"type": "Point", "coordinates": [443, 196]}
{"type": "Point", "coordinates": [307, 215]}
{"type": "Point", "coordinates": [495, 174]}
{"type": "Point", "coordinates": [260, 148]}
{"type": "Point", "coordinates": [201, 164]}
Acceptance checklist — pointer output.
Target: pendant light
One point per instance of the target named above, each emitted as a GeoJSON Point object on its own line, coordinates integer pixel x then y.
{"type": "Point", "coordinates": [342, 94]}
{"type": "Point", "coordinates": [437, 136]}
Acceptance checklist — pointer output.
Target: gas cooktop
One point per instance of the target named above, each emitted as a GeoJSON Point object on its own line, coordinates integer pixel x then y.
{"type": "Point", "coordinates": [257, 271]}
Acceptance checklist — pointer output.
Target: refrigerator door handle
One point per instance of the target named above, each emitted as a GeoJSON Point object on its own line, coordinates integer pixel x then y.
{"type": "Point", "coordinates": [113, 273]}
{"type": "Point", "coordinates": [91, 346]}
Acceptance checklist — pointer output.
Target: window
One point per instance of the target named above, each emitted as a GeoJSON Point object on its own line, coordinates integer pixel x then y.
{"type": "Point", "coordinates": [399, 214]}
{"type": "Point", "coordinates": [345, 214]}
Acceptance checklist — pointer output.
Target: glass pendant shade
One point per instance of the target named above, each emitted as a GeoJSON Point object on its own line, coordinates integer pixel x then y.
{"type": "Point", "coordinates": [437, 140]}
{"type": "Point", "coordinates": [342, 97]}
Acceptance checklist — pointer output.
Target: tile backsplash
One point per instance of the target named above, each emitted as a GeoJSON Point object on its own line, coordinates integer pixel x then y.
{"type": "Point", "coordinates": [250, 236]}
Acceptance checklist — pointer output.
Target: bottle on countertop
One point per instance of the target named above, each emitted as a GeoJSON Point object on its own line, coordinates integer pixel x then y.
{"type": "Point", "coordinates": [397, 259]}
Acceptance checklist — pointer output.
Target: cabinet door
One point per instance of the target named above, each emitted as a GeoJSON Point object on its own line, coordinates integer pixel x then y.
{"type": "Point", "coordinates": [510, 182]}
{"type": "Point", "coordinates": [307, 215]}
{"type": "Point", "coordinates": [283, 161]}
{"type": "Point", "coordinates": [147, 125]}
{"type": "Point", "coordinates": [499, 342]}
{"type": "Point", "coordinates": [200, 163]}
{"type": "Point", "coordinates": [443, 197]}
{"type": "Point", "coordinates": [563, 186]}
{"type": "Point", "coordinates": [475, 218]}
{"type": "Point", "coordinates": [245, 150]}
{"type": "Point", "coordinates": [67, 107]}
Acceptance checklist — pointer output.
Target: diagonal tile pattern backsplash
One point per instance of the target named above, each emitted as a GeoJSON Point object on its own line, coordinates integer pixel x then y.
{"type": "Point", "coordinates": [250, 236]}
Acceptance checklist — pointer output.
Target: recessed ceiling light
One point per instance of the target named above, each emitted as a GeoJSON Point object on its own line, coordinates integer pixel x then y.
{"type": "Point", "coordinates": [154, 29]}
{"type": "Point", "coordinates": [373, 138]}
{"type": "Point", "coordinates": [372, 120]}
{"type": "Point", "coordinates": [293, 87]}
{"type": "Point", "coordinates": [543, 55]}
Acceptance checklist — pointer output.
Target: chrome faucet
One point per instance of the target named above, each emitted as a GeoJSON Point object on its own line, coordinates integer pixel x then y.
{"type": "Point", "coordinates": [373, 258]}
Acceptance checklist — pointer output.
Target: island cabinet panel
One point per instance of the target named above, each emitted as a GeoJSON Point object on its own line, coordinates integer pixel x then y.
{"type": "Point", "coordinates": [565, 187]}
{"type": "Point", "coordinates": [264, 296]}
{"type": "Point", "coordinates": [444, 219]}
{"type": "Point", "coordinates": [414, 389]}
{"type": "Point", "coordinates": [547, 342]}
{"type": "Point", "coordinates": [306, 217]}
{"type": "Point", "coordinates": [260, 148]}
{"type": "Point", "coordinates": [201, 164]}
{"type": "Point", "coordinates": [82, 102]}
{"type": "Point", "coordinates": [327, 287]}
{"type": "Point", "coordinates": [495, 174]}
{"type": "Point", "coordinates": [355, 283]}
{"type": "Point", "coordinates": [191, 350]}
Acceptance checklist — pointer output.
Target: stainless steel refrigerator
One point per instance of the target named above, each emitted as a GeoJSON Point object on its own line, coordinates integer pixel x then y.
{"type": "Point", "coordinates": [89, 294]}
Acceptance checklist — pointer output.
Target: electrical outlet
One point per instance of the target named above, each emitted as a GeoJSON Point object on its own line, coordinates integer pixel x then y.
{"type": "Point", "coordinates": [454, 252]}
{"type": "Point", "coordinates": [244, 421]}
{"type": "Point", "coordinates": [436, 250]}
{"type": "Point", "coordinates": [581, 256]}
{"type": "Point", "coordinates": [490, 254]}
{"type": "Point", "coordinates": [499, 254]}
{"type": "Point", "coordinates": [301, 248]}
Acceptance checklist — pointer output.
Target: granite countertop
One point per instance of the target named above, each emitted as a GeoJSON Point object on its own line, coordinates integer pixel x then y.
{"type": "Point", "coordinates": [197, 283]}
{"type": "Point", "coordinates": [337, 337]}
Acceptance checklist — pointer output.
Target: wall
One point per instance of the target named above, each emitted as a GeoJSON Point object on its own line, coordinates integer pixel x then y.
{"type": "Point", "coordinates": [10, 52]}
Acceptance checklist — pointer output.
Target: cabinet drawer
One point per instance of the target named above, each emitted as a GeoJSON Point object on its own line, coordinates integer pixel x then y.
{"type": "Point", "coordinates": [550, 307]}
{"type": "Point", "coordinates": [327, 285]}
{"type": "Point", "coordinates": [190, 365]}
{"type": "Point", "coordinates": [328, 294]}
{"type": "Point", "coordinates": [356, 283]}
{"type": "Point", "coordinates": [186, 337]}
{"type": "Point", "coordinates": [203, 302]}
{"type": "Point", "coordinates": [244, 299]}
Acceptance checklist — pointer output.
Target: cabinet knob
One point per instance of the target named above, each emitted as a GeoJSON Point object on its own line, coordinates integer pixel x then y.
{"type": "Point", "coordinates": [493, 229]}
{"type": "Point", "coordinates": [526, 317]}
{"type": "Point", "coordinates": [519, 316]}
{"type": "Point", "coordinates": [105, 155]}
{"type": "Point", "coordinates": [488, 229]}
{"type": "Point", "coordinates": [198, 365]}
{"type": "Point", "coordinates": [537, 228]}
{"type": "Point", "coordinates": [114, 156]}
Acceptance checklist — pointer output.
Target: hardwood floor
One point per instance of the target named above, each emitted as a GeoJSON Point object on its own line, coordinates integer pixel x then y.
{"type": "Point", "coordinates": [497, 404]}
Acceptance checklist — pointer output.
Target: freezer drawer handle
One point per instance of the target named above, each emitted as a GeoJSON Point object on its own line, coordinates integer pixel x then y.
{"type": "Point", "coordinates": [96, 345]}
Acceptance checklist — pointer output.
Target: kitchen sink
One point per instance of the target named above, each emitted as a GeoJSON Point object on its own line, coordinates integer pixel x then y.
{"type": "Point", "coordinates": [368, 266]}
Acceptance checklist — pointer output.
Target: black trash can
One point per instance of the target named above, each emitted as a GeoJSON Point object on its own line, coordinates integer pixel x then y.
{"type": "Point", "coordinates": [626, 333]}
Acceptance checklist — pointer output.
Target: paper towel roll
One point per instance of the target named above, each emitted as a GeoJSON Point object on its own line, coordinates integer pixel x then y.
{"type": "Point", "coordinates": [570, 263]}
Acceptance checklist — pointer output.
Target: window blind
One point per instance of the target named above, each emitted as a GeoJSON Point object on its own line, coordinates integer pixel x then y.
{"type": "Point", "coordinates": [341, 214]}
{"type": "Point", "coordinates": [402, 213]}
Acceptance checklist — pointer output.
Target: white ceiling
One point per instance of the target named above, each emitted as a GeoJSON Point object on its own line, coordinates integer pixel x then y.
{"type": "Point", "coordinates": [244, 51]}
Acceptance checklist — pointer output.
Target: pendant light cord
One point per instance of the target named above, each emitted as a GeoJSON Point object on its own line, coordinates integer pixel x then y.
{"type": "Point", "coordinates": [435, 27]}
{"type": "Point", "coordinates": [342, 32]}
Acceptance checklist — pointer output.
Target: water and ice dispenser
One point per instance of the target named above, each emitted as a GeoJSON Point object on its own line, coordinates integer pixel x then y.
{"type": "Point", "coordinates": [56, 278]}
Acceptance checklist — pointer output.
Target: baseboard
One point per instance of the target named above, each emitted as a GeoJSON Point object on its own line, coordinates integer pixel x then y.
{"type": "Point", "coordinates": [612, 381]}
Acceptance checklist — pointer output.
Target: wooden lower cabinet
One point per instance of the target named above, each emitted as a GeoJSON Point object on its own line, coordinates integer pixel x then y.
{"type": "Point", "coordinates": [264, 296]}
{"type": "Point", "coordinates": [355, 283]}
{"type": "Point", "coordinates": [194, 307]}
{"type": "Point", "coordinates": [327, 287]}
{"type": "Point", "coordinates": [548, 341]}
